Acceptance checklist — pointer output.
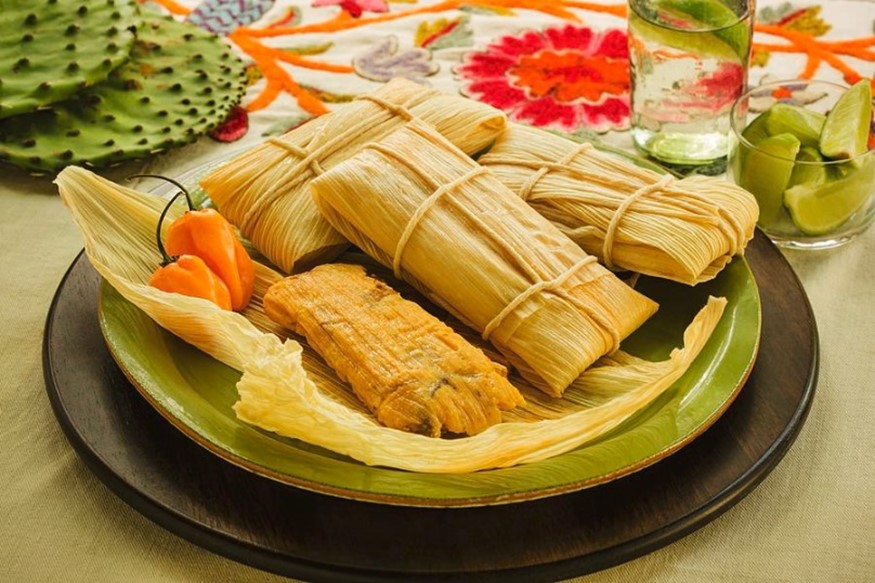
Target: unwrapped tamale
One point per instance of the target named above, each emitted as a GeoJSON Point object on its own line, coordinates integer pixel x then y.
{"type": "Point", "coordinates": [410, 369]}
{"type": "Point", "coordinates": [264, 191]}
{"type": "Point", "coordinates": [442, 222]}
{"type": "Point", "coordinates": [631, 218]}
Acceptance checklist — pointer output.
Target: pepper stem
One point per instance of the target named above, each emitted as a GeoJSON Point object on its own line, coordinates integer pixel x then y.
{"type": "Point", "coordinates": [171, 181]}
{"type": "Point", "coordinates": [165, 258]}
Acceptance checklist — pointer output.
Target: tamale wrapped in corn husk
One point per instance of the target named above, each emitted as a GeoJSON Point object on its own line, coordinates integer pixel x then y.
{"type": "Point", "coordinates": [284, 388]}
{"type": "Point", "coordinates": [264, 191]}
{"type": "Point", "coordinates": [631, 218]}
{"type": "Point", "coordinates": [445, 224]}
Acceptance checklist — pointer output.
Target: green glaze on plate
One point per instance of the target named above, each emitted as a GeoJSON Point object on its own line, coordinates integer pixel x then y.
{"type": "Point", "coordinates": [196, 393]}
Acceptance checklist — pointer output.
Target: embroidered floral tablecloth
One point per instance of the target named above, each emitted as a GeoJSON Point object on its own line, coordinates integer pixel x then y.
{"type": "Point", "coordinates": [558, 64]}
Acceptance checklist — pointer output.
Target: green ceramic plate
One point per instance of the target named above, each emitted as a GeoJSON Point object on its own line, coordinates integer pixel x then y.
{"type": "Point", "coordinates": [195, 393]}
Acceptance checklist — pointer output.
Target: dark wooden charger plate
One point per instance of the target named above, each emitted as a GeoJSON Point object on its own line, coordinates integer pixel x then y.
{"type": "Point", "coordinates": [195, 494]}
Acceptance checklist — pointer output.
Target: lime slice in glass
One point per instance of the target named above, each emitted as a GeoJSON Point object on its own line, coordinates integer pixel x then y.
{"type": "Point", "coordinates": [820, 209]}
{"type": "Point", "coordinates": [766, 172]}
{"type": "Point", "coordinates": [808, 169]}
{"type": "Point", "coordinates": [712, 14]}
{"type": "Point", "coordinates": [803, 123]}
{"type": "Point", "coordinates": [846, 130]}
{"type": "Point", "coordinates": [757, 130]}
{"type": "Point", "coordinates": [704, 44]}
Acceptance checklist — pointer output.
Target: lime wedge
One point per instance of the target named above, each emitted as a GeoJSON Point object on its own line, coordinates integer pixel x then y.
{"type": "Point", "coordinates": [766, 171]}
{"type": "Point", "coordinates": [712, 14]}
{"type": "Point", "coordinates": [820, 209]}
{"type": "Point", "coordinates": [754, 133]}
{"type": "Point", "coordinates": [808, 168]}
{"type": "Point", "coordinates": [845, 132]}
{"type": "Point", "coordinates": [757, 130]}
{"type": "Point", "coordinates": [702, 44]}
{"type": "Point", "coordinates": [803, 123]}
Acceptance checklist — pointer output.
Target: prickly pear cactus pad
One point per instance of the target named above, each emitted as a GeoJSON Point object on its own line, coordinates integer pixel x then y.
{"type": "Point", "coordinates": [179, 83]}
{"type": "Point", "coordinates": [50, 49]}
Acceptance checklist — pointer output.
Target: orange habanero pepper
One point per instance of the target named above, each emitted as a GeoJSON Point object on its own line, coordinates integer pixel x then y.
{"type": "Point", "coordinates": [203, 257]}
{"type": "Point", "coordinates": [189, 275]}
{"type": "Point", "coordinates": [211, 237]}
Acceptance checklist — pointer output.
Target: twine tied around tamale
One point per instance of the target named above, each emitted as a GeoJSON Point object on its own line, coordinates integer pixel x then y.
{"type": "Point", "coordinates": [561, 164]}
{"type": "Point", "coordinates": [307, 158]}
{"type": "Point", "coordinates": [553, 285]}
{"type": "Point", "coordinates": [611, 231]}
{"type": "Point", "coordinates": [424, 207]}
{"type": "Point", "coordinates": [543, 168]}
{"type": "Point", "coordinates": [393, 108]}
{"type": "Point", "coordinates": [311, 159]}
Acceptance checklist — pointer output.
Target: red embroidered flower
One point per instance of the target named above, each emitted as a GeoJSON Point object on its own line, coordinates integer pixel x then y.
{"type": "Point", "coordinates": [234, 127]}
{"type": "Point", "coordinates": [568, 77]}
{"type": "Point", "coordinates": [355, 7]}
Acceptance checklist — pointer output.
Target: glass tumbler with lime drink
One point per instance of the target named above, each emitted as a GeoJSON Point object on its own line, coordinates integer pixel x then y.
{"type": "Point", "coordinates": [809, 165]}
{"type": "Point", "coordinates": [689, 62]}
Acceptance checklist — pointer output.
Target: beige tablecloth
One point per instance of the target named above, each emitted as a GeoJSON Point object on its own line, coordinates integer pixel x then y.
{"type": "Point", "coordinates": [811, 519]}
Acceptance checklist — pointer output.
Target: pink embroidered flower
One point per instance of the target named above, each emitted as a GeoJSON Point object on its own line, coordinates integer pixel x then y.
{"type": "Point", "coordinates": [355, 7]}
{"type": "Point", "coordinates": [566, 77]}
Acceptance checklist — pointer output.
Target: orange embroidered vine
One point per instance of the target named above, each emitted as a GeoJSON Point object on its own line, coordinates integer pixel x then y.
{"type": "Point", "coordinates": [619, 10]}
{"type": "Point", "coordinates": [279, 79]}
{"type": "Point", "coordinates": [819, 51]}
{"type": "Point", "coordinates": [171, 7]}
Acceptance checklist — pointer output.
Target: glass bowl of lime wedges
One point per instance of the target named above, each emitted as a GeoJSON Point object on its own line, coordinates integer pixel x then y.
{"type": "Point", "coordinates": [806, 151]}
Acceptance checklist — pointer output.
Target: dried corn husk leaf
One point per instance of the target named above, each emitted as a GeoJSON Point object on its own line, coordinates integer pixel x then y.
{"type": "Point", "coordinates": [118, 224]}
{"type": "Point", "coordinates": [631, 218]}
{"type": "Point", "coordinates": [293, 411]}
{"type": "Point", "coordinates": [416, 203]}
{"type": "Point", "coordinates": [283, 388]}
{"type": "Point", "coordinates": [264, 191]}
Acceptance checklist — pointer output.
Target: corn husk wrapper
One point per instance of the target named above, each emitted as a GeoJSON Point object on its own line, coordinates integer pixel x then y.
{"type": "Point", "coordinates": [264, 191]}
{"type": "Point", "coordinates": [631, 218]}
{"type": "Point", "coordinates": [416, 203]}
{"type": "Point", "coordinates": [285, 388]}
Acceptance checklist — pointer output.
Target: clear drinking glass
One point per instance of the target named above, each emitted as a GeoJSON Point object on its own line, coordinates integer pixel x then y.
{"type": "Point", "coordinates": [806, 199]}
{"type": "Point", "coordinates": [689, 62]}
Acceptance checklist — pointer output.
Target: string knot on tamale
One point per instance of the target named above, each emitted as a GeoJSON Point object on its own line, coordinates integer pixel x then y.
{"type": "Point", "coordinates": [264, 190]}
{"type": "Point", "coordinates": [421, 206]}
{"type": "Point", "coordinates": [630, 217]}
